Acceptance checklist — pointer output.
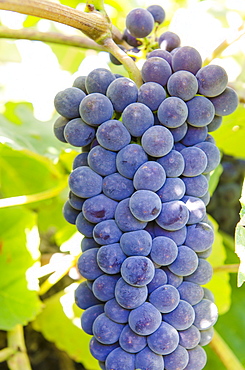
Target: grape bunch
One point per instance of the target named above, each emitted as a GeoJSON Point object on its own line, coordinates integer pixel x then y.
{"type": "Point", "coordinates": [138, 194]}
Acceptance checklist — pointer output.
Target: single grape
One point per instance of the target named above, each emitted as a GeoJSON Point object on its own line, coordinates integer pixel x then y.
{"type": "Point", "coordinates": [88, 266]}
{"type": "Point", "coordinates": [122, 92]}
{"type": "Point", "coordinates": [59, 127]}
{"type": "Point", "coordinates": [104, 287]}
{"type": "Point", "coordinates": [165, 298]}
{"type": "Point", "coordinates": [149, 176]}
{"type": "Point", "coordinates": [131, 40]}
{"type": "Point", "coordinates": [98, 80]}
{"type": "Point", "coordinates": [164, 250]}
{"type": "Point", "coordinates": [148, 360]}
{"type": "Point", "coordinates": [101, 351]}
{"type": "Point", "coordinates": [70, 213]}
{"type": "Point", "coordinates": [137, 270]}
{"type": "Point", "coordinates": [151, 94]}
{"type": "Point", "coordinates": [84, 182]}
{"type": "Point", "coordinates": [115, 312]}
{"type": "Point", "coordinates": [173, 163]}
{"type": "Point", "coordinates": [186, 58]}
{"type": "Point", "coordinates": [105, 330]}
{"type": "Point", "coordinates": [212, 80]}
{"type": "Point", "coordinates": [197, 359]}
{"type": "Point", "coordinates": [84, 226]}
{"type": "Point", "coordinates": [129, 296]}
{"type": "Point", "coordinates": [178, 236]}
{"type": "Point", "coordinates": [191, 292]}
{"type": "Point", "coordinates": [182, 84]}
{"type": "Point", "coordinates": [84, 297]}
{"type": "Point", "coordinates": [110, 258]}
{"type": "Point", "coordinates": [117, 187]}
{"type": "Point", "coordinates": [212, 153]}
{"type": "Point", "coordinates": [206, 336]}
{"type": "Point", "coordinates": [157, 141]}
{"type": "Point", "coordinates": [203, 274]}
{"type": "Point", "coordinates": [157, 70]}
{"type": "Point", "coordinates": [196, 207]}
{"type": "Point", "coordinates": [174, 215]}
{"type": "Point", "coordinates": [172, 112]}
{"type": "Point", "coordinates": [182, 317]}
{"type": "Point", "coordinates": [79, 82]}
{"type": "Point", "coordinates": [206, 314]}
{"type": "Point", "coordinates": [125, 219]}
{"type": "Point", "coordinates": [173, 189]}
{"type": "Point", "coordinates": [201, 232]}
{"type": "Point", "coordinates": [137, 118]}
{"type": "Point", "coordinates": [201, 111]}
{"type": "Point", "coordinates": [195, 161]}
{"type": "Point", "coordinates": [120, 360]}
{"type": "Point", "coordinates": [129, 159]}
{"type": "Point", "coordinates": [185, 263]}
{"type": "Point", "coordinates": [130, 341]}
{"type": "Point", "coordinates": [194, 135]}
{"type": "Point", "coordinates": [164, 340]}
{"type": "Point", "coordinates": [95, 109]}
{"type": "Point", "coordinates": [88, 317]}
{"type": "Point", "coordinates": [136, 243]}
{"type": "Point", "coordinates": [145, 319]}
{"type": "Point", "coordinates": [80, 160]}
{"type": "Point", "coordinates": [169, 41]}
{"type": "Point", "coordinates": [157, 12]}
{"type": "Point", "coordinates": [195, 186]}
{"type": "Point", "coordinates": [159, 279]}
{"type": "Point", "coordinates": [139, 22]}
{"type": "Point", "coordinates": [102, 161]}
{"type": "Point", "coordinates": [145, 205]}
{"type": "Point", "coordinates": [161, 54]}
{"type": "Point", "coordinates": [178, 359]}
{"type": "Point", "coordinates": [113, 135]}
{"type": "Point", "coordinates": [88, 243]}
{"type": "Point", "coordinates": [99, 208]}
{"type": "Point", "coordinates": [106, 232]}
{"type": "Point", "coordinates": [67, 102]}
{"type": "Point", "coordinates": [179, 132]}
{"type": "Point", "coordinates": [189, 338]}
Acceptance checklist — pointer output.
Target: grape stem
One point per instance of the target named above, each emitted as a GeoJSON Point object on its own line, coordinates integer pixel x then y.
{"type": "Point", "coordinates": [224, 352]}
{"type": "Point", "coordinates": [19, 359]}
{"type": "Point", "coordinates": [227, 268]}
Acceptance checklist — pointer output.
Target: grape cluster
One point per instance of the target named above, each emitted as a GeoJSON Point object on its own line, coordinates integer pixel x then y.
{"type": "Point", "coordinates": [224, 204]}
{"type": "Point", "coordinates": [138, 194]}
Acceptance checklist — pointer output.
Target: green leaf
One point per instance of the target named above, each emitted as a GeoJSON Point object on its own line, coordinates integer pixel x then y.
{"type": "Point", "coordinates": [219, 284]}
{"type": "Point", "coordinates": [230, 137]}
{"type": "Point", "coordinates": [59, 322]}
{"type": "Point", "coordinates": [19, 244]}
{"type": "Point", "coordinates": [214, 179]}
{"type": "Point", "coordinates": [240, 241]}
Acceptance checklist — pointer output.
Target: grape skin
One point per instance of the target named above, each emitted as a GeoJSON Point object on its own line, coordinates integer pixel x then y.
{"type": "Point", "coordinates": [157, 70]}
{"type": "Point", "coordinates": [139, 22]}
{"type": "Point", "coordinates": [145, 319]}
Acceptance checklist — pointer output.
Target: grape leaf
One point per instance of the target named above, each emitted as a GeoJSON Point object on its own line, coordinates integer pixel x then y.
{"type": "Point", "coordinates": [59, 322]}
{"type": "Point", "coordinates": [240, 241]}
{"type": "Point", "coordinates": [19, 243]}
{"type": "Point", "coordinates": [230, 137]}
{"type": "Point", "coordinates": [219, 284]}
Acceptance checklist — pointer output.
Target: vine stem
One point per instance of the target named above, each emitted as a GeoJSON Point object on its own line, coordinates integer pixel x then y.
{"type": "Point", "coordinates": [52, 37]}
{"type": "Point", "coordinates": [19, 360]}
{"type": "Point", "coordinates": [223, 351]}
{"type": "Point", "coordinates": [128, 63]}
{"type": "Point", "coordinates": [226, 268]}
{"type": "Point", "coordinates": [225, 43]}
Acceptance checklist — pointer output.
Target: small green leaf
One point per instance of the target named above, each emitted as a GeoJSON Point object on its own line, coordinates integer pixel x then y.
{"type": "Point", "coordinates": [59, 322]}
{"type": "Point", "coordinates": [219, 284]}
{"type": "Point", "coordinates": [19, 243]}
{"type": "Point", "coordinates": [230, 137]}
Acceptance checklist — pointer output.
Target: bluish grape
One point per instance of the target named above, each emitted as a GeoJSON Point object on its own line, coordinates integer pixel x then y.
{"type": "Point", "coordinates": [179, 146]}
{"type": "Point", "coordinates": [215, 123]}
{"type": "Point", "coordinates": [164, 54]}
{"type": "Point", "coordinates": [173, 279]}
{"type": "Point", "coordinates": [169, 41]}
{"type": "Point", "coordinates": [190, 292]}
{"type": "Point", "coordinates": [149, 176]}
{"type": "Point", "coordinates": [157, 12]}
{"type": "Point", "coordinates": [119, 359]}
{"type": "Point", "coordinates": [195, 161]}
{"type": "Point", "coordinates": [194, 135]}
{"type": "Point", "coordinates": [59, 127]}
{"type": "Point", "coordinates": [98, 80]}
{"type": "Point", "coordinates": [206, 198]}
{"type": "Point", "coordinates": [102, 161]}
{"type": "Point", "coordinates": [173, 189]}
{"type": "Point", "coordinates": [201, 111]}
{"type": "Point", "coordinates": [203, 274]}
{"type": "Point", "coordinates": [151, 94]}
{"type": "Point", "coordinates": [106, 232]}
{"type": "Point", "coordinates": [137, 118]}
{"type": "Point", "coordinates": [84, 296]}
{"type": "Point", "coordinates": [84, 226]}
{"type": "Point", "coordinates": [159, 279]}
{"type": "Point", "coordinates": [129, 296]}
{"type": "Point", "coordinates": [67, 102]}
{"type": "Point", "coordinates": [187, 58]}
{"type": "Point", "coordinates": [148, 360]}
{"type": "Point", "coordinates": [105, 330]}
{"type": "Point", "coordinates": [185, 263]}
{"type": "Point", "coordinates": [117, 187]}
{"type": "Point", "coordinates": [88, 317]}
{"type": "Point", "coordinates": [174, 215]}
{"type": "Point", "coordinates": [70, 213]}
{"type": "Point", "coordinates": [164, 340]}
{"type": "Point", "coordinates": [88, 243]}
{"type": "Point", "coordinates": [165, 298]}
{"type": "Point", "coordinates": [125, 219]}
{"type": "Point", "coordinates": [139, 22]}
{"type": "Point", "coordinates": [182, 317]}
{"type": "Point", "coordinates": [206, 253]}
{"type": "Point", "coordinates": [110, 258]}
{"type": "Point", "coordinates": [157, 141]}
{"type": "Point", "coordinates": [196, 207]}
{"type": "Point", "coordinates": [137, 270]}
{"type": "Point", "coordinates": [88, 266]}
{"type": "Point", "coordinates": [122, 92]}
{"type": "Point", "coordinates": [84, 182]}
{"type": "Point", "coordinates": [172, 112]}
{"type": "Point", "coordinates": [201, 232]}
{"type": "Point", "coordinates": [178, 236]}
{"type": "Point", "coordinates": [179, 132]}
{"type": "Point", "coordinates": [212, 80]}
{"type": "Point", "coordinates": [136, 243]}
{"type": "Point", "coordinates": [208, 294]}
{"type": "Point", "coordinates": [197, 359]}
{"type": "Point", "coordinates": [78, 133]}
{"type": "Point", "coordinates": [182, 84]}
{"type": "Point", "coordinates": [80, 160]}
{"type": "Point", "coordinates": [206, 314]}
{"type": "Point", "coordinates": [189, 338]}
{"type": "Point", "coordinates": [173, 163]}
{"type": "Point", "coordinates": [113, 135]}
{"type": "Point", "coordinates": [79, 82]}
{"type": "Point", "coordinates": [104, 287]}
{"type": "Point", "coordinates": [212, 153]}
{"type": "Point", "coordinates": [145, 205]}
{"type": "Point", "coordinates": [178, 359]}
{"type": "Point", "coordinates": [206, 336]}
{"type": "Point", "coordinates": [115, 312]}
{"type": "Point", "coordinates": [99, 208]}
{"type": "Point", "coordinates": [156, 69]}
{"type": "Point", "coordinates": [164, 250]}
{"type": "Point", "coordinates": [145, 319]}
{"type": "Point", "coordinates": [129, 159]}
{"type": "Point", "coordinates": [195, 186]}
{"type": "Point", "coordinates": [131, 40]}
{"type": "Point", "coordinates": [75, 201]}
{"type": "Point", "coordinates": [130, 341]}
{"type": "Point", "coordinates": [101, 351]}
